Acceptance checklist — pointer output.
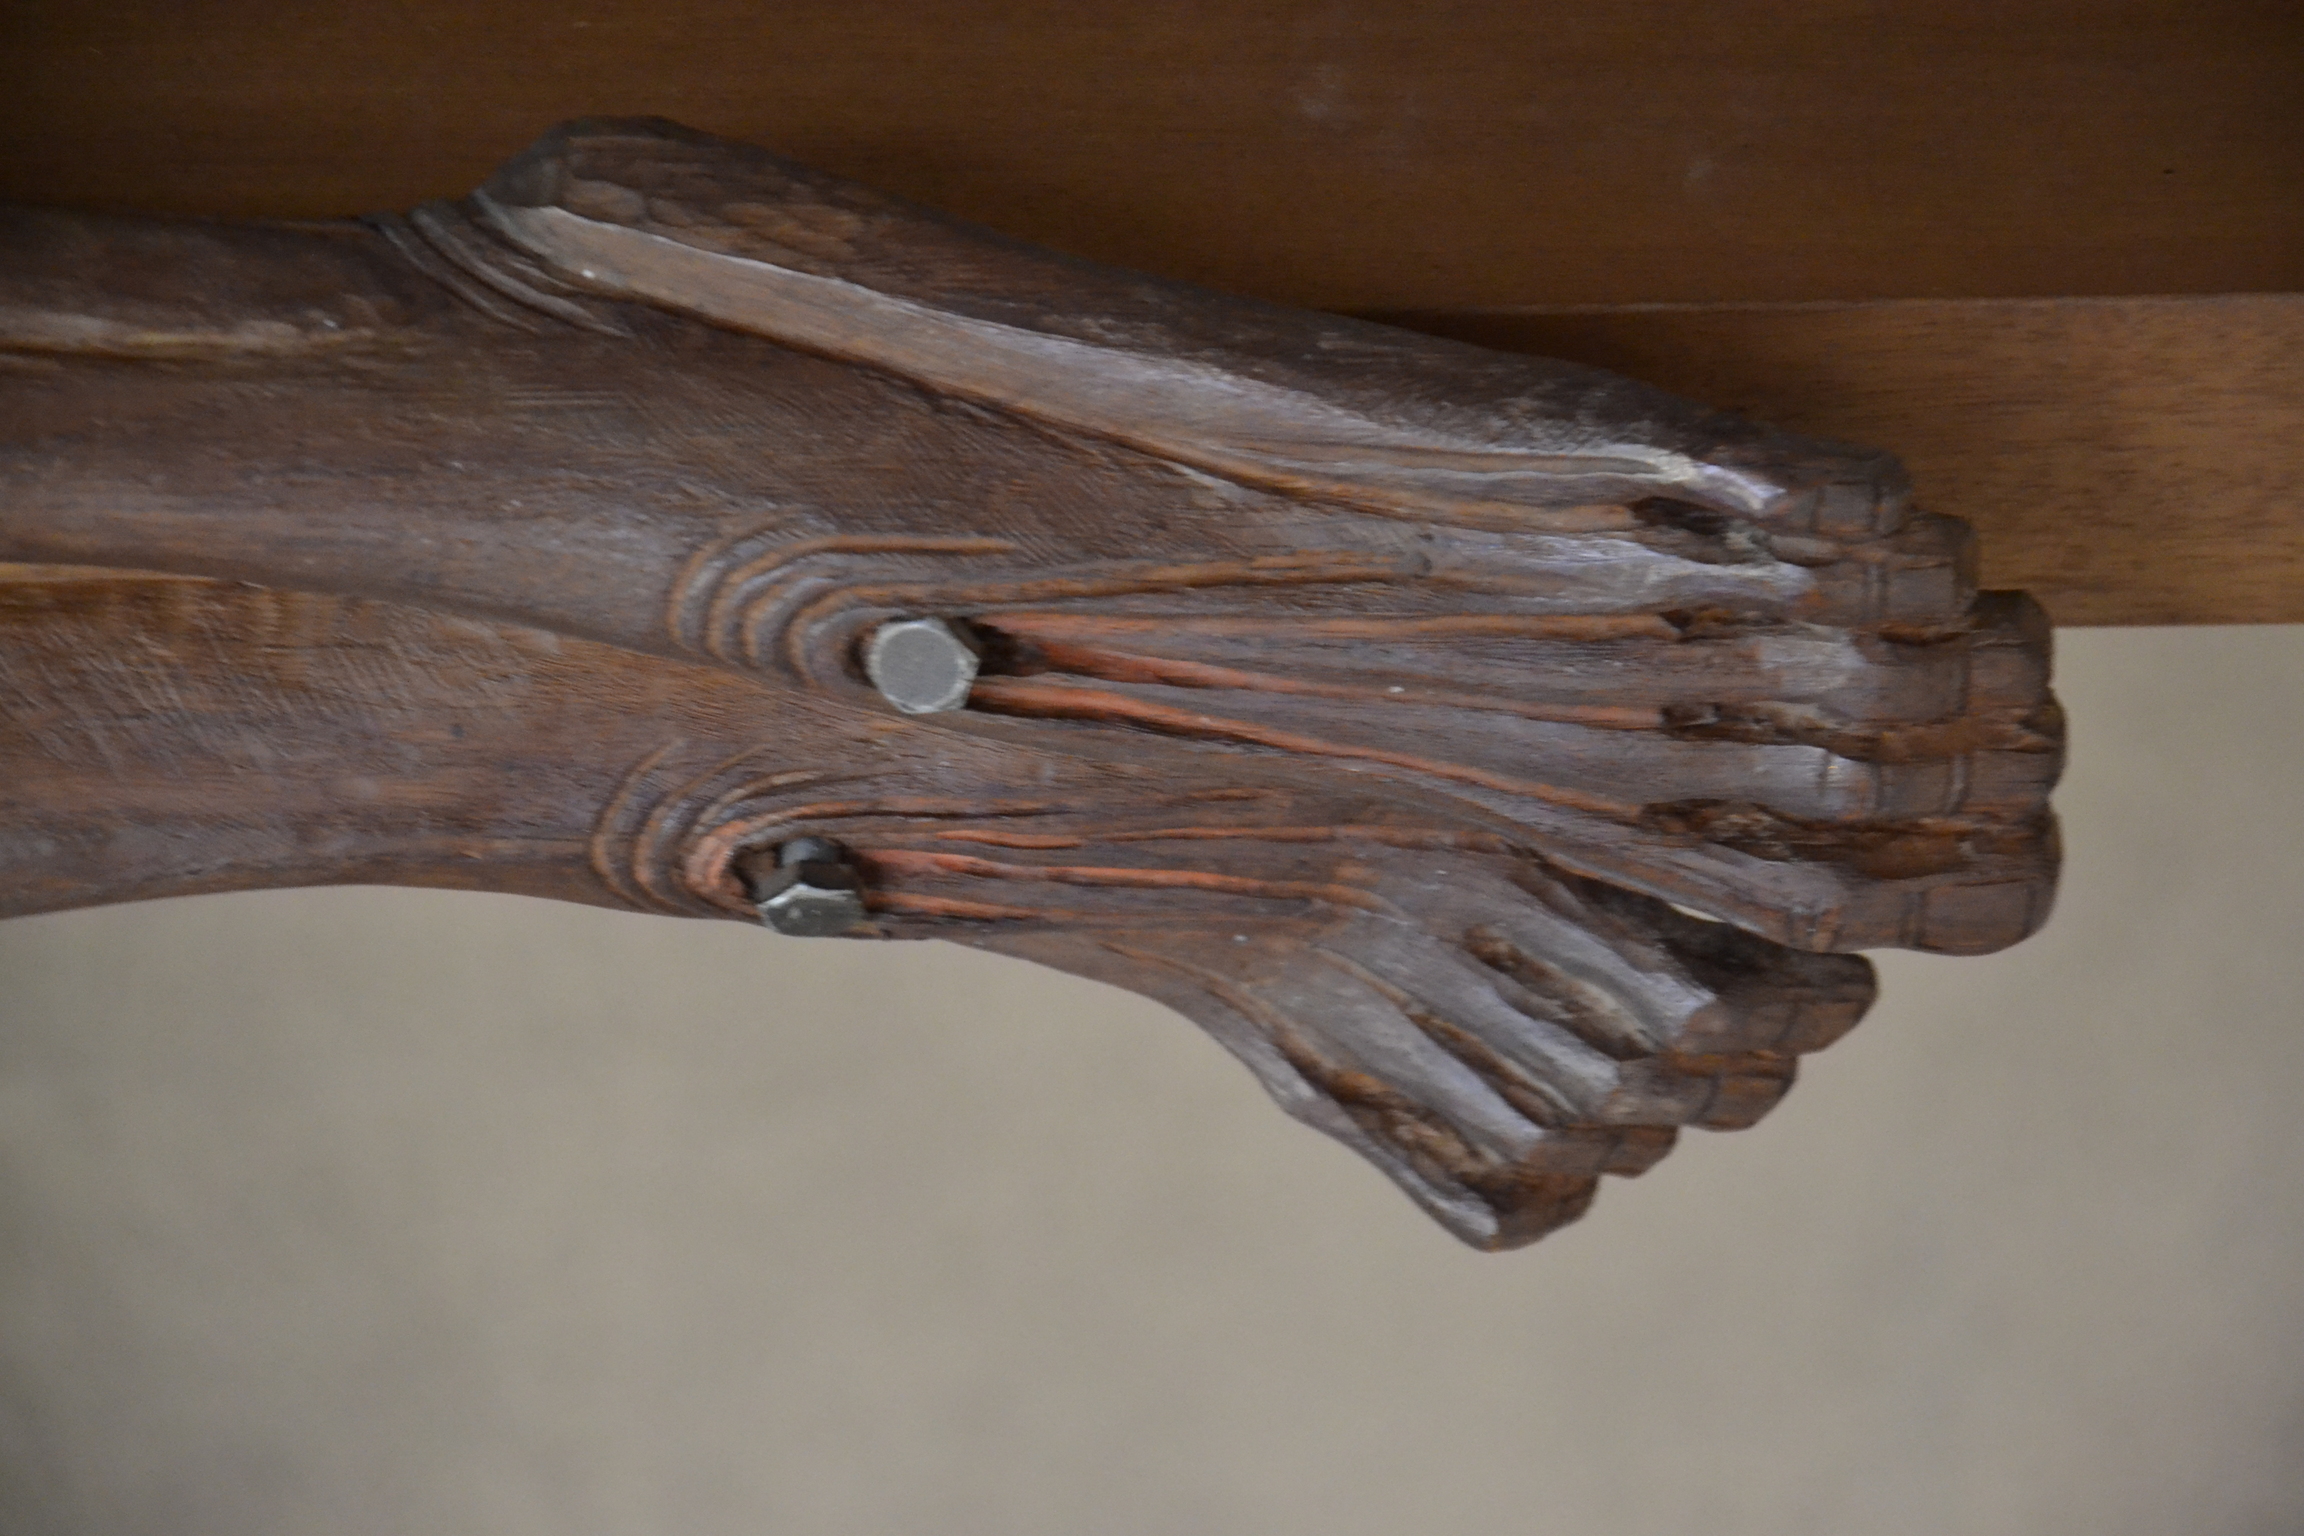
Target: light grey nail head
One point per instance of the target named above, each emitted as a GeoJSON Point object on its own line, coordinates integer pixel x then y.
{"type": "Point", "coordinates": [813, 892]}
{"type": "Point", "coordinates": [922, 666]}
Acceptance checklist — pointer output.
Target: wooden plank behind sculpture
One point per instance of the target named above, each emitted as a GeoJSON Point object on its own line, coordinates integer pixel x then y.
{"type": "Point", "coordinates": [2127, 461]}
{"type": "Point", "coordinates": [1383, 153]}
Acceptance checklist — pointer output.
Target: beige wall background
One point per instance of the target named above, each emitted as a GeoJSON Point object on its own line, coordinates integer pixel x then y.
{"type": "Point", "coordinates": [398, 1212]}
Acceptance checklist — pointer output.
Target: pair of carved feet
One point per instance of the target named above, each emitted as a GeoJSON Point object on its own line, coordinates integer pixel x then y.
{"type": "Point", "coordinates": [1501, 758]}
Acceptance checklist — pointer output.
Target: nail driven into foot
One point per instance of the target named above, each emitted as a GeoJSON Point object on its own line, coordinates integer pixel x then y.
{"type": "Point", "coordinates": [922, 666]}
{"type": "Point", "coordinates": [813, 893]}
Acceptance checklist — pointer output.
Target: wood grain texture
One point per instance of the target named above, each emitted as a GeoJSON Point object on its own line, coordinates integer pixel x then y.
{"type": "Point", "coordinates": [1498, 755]}
{"type": "Point", "coordinates": [2127, 461]}
{"type": "Point", "coordinates": [1824, 735]}
{"type": "Point", "coordinates": [1356, 155]}
{"type": "Point", "coordinates": [1492, 1032]}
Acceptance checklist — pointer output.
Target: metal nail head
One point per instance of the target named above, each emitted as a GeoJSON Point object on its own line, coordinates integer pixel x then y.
{"type": "Point", "coordinates": [814, 893]}
{"type": "Point", "coordinates": [922, 666]}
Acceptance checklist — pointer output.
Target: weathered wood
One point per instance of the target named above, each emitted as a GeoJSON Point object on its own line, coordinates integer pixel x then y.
{"type": "Point", "coordinates": [1474, 743]}
{"type": "Point", "coordinates": [1381, 154]}
{"type": "Point", "coordinates": [2127, 461]}
{"type": "Point", "coordinates": [495, 441]}
{"type": "Point", "coordinates": [1494, 1033]}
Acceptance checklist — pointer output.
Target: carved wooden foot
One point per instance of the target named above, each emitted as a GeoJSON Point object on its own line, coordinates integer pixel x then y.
{"type": "Point", "coordinates": [1498, 756]}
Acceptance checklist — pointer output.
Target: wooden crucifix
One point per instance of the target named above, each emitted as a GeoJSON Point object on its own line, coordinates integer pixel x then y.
{"type": "Point", "coordinates": [1502, 758]}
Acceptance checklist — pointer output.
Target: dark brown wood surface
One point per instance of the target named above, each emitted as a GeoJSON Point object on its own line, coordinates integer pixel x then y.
{"type": "Point", "coordinates": [1500, 755]}
{"type": "Point", "coordinates": [433, 411]}
{"type": "Point", "coordinates": [1343, 154]}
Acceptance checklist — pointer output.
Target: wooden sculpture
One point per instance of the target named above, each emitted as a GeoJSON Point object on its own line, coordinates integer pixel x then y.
{"type": "Point", "coordinates": [1502, 758]}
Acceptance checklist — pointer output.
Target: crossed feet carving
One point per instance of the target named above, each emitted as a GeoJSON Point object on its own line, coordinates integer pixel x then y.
{"type": "Point", "coordinates": [1501, 758]}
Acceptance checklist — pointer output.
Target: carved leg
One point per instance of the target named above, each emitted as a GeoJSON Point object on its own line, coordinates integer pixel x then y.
{"type": "Point", "coordinates": [1492, 1033]}
{"type": "Point", "coordinates": [1425, 721]}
